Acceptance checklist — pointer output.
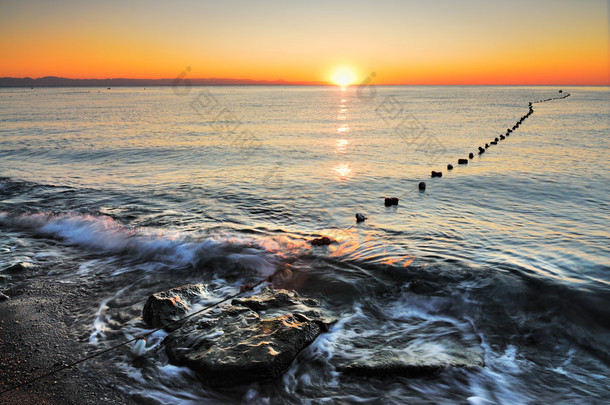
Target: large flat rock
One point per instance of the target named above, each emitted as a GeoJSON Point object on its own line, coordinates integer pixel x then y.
{"type": "Point", "coordinates": [254, 339]}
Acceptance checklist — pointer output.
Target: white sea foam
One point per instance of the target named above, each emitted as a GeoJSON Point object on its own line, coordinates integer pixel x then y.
{"type": "Point", "coordinates": [105, 235]}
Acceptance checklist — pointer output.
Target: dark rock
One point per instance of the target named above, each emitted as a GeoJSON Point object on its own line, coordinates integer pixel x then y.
{"type": "Point", "coordinates": [462, 161]}
{"type": "Point", "coordinates": [422, 186]}
{"type": "Point", "coordinates": [323, 241]}
{"type": "Point", "coordinates": [19, 267]}
{"type": "Point", "coordinates": [436, 174]}
{"type": "Point", "coordinates": [237, 344]}
{"type": "Point", "coordinates": [165, 307]}
{"type": "Point", "coordinates": [389, 201]}
{"type": "Point", "coordinates": [449, 167]}
{"type": "Point", "coordinates": [561, 91]}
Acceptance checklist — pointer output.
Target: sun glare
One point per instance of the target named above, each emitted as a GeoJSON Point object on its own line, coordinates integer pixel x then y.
{"type": "Point", "coordinates": [343, 77]}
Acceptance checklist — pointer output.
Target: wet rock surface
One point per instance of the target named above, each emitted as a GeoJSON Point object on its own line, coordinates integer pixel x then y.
{"type": "Point", "coordinates": [386, 362]}
{"type": "Point", "coordinates": [255, 338]}
{"type": "Point", "coordinates": [407, 348]}
{"type": "Point", "coordinates": [166, 307]}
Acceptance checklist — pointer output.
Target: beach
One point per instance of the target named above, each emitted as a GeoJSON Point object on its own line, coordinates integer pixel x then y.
{"type": "Point", "coordinates": [495, 275]}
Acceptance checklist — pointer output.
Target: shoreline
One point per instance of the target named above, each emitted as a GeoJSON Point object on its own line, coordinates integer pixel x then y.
{"type": "Point", "coordinates": [36, 336]}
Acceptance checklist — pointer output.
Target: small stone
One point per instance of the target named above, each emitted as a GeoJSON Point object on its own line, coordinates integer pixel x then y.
{"type": "Point", "coordinates": [323, 241]}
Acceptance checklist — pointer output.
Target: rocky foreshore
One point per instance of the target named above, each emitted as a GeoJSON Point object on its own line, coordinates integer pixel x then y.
{"type": "Point", "coordinates": [257, 337]}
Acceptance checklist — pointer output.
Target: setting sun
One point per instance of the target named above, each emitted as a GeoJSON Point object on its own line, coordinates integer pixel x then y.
{"type": "Point", "coordinates": [344, 77]}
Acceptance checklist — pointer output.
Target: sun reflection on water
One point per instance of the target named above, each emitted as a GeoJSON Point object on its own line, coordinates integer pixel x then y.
{"type": "Point", "coordinates": [343, 170]}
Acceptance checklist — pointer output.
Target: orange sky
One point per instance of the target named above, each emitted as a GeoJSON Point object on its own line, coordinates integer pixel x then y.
{"type": "Point", "coordinates": [419, 42]}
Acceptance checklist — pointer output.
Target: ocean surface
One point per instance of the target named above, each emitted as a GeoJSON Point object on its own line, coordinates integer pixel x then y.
{"type": "Point", "coordinates": [130, 191]}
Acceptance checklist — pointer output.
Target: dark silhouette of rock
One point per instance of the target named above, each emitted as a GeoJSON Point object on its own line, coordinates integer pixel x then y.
{"type": "Point", "coordinates": [163, 308]}
{"type": "Point", "coordinates": [462, 161]}
{"type": "Point", "coordinates": [389, 201]}
{"type": "Point", "coordinates": [322, 241]}
{"type": "Point", "coordinates": [449, 167]}
{"type": "Point", "coordinates": [239, 344]}
{"type": "Point", "coordinates": [561, 91]}
{"type": "Point", "coordinates": [421, 186]}
{"type": "Point", "coordinates": [436, 174]}
{"type": "Point", "coordinates": [360, 217]}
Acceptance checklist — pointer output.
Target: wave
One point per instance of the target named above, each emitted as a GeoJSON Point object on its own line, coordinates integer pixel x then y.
{"type": "Point", "coordinates": [105, 235]}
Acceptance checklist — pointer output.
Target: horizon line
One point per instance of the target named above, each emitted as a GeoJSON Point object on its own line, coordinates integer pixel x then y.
{"type": "Point", "coordinates": [46, 81]}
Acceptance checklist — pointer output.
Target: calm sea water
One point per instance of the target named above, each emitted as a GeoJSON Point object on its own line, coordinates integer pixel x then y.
{"type": "Point", "coordinates": [135, 190]}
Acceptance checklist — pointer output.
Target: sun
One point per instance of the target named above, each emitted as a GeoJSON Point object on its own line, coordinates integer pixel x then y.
{"type": "Point", "coordinates": [343, 76]}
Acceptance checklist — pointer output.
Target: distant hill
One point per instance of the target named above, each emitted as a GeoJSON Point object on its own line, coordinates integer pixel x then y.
{"type": "Point", "coordinates": [54, 81]}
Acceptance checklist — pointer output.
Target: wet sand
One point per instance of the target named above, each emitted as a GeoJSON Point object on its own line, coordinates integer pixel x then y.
{"type": "Point", "coordinates": [36, 336]}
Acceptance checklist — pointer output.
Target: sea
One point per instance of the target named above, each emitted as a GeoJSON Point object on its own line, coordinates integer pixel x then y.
{"type": "Point", "coordinates": [127, 191]}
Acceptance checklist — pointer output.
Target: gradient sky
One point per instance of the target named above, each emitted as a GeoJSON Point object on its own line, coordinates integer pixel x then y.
{"type": "Point", "coordinates": [403, 42]}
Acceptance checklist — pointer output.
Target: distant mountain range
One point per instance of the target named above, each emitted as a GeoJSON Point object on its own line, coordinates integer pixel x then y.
{"type": "Point", "coordinates": [54, 81]}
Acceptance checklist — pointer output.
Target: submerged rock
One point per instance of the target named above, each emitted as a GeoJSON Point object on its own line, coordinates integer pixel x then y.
{"type": "Point", "coordinates": [322, 241]}
{"type": "Point", "coordinates": [254, 339]}
{"type": "Point", "coordinates": [419, 348]}
{"type": "Point", "coordinates": [163, 308]}
{"type": "Point", "coordinates": [388, 363]}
